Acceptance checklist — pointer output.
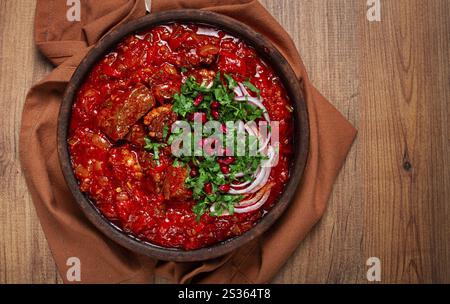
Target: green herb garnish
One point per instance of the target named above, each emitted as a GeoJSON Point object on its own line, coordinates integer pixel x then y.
{"type": "Point", "coordinates": [251, 87]}
{"type": "Point", "coordinates": [165, 130]}
{"type": "Point", "coordinates": [153, 147]}
{"type": "Point", "coordinates": [209, 171]}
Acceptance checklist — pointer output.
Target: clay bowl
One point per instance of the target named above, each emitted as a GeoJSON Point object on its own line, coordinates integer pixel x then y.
{"type": "Point", "coordinates": [268, 52]}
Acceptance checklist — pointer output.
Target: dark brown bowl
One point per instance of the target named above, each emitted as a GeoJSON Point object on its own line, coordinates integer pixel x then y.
{"type": "Point", "coordinates": [268, 52]}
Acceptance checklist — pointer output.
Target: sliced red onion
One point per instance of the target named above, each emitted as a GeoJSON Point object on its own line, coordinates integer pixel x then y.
{"type": "Point", "coordinates": [243, 89]}
{"type": "Point", "coordinates": [262, 174]}
{"type": "Point", "coordinates": [271, 153]}
{"type": "Point", "coordinates": [263, 181]}
{"type": "Point", "coordinates": [255, 206]}
{"type": "Point", "coordinates": [241, 185]}
{"type": "Point", "coordinates": [250, 130]}
{"type": "Point", "coordinates": [237, 90]}
{"type": "Point", "coordinates": [264, 146]}
{"type": "Point", "coordinates": [239, 174]}
{"type": "Point", "coordinates": [260, 177]}
{"type": "Point", "coordinates": [259, 135]}
{"type": "Point", "coordinates": [254, 199]}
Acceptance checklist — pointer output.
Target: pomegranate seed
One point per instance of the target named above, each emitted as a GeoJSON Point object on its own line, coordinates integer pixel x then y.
{"type": "Point", "coordinates": [229, 160]}
{"type": "Point", "coordinates": [225, 169]}
{"type": "Point", "coordinates": [224, 188]}
{"type": "Point", "coordinates": [194, 172]}
{"type": "Point", "coordinates": [208, 188]}
{"type": "Point", "coordinates": [215, 114]}
{"type": "Point", "coordinates": [215, 105]}
{"type": "Point", "coordinates": [191, 164]}
{"type": "Point", "coordinates": [226, 160]}
{"type": "Point", "coordinates": [198, 100]}
{"type": "Point", "coordinates": [203, 117]}
{"type": "Point", "coordinates": [224, 128]}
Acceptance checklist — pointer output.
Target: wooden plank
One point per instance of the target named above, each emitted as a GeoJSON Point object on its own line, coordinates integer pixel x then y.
{"type": "Point", "coordinates": [404, 141]}
{"type": "Point", "coordinates": [24, 253]}
{"type": "Point", "coordinates": [400, 106]}
{"type": "Point", "coordinates": [324, 32]}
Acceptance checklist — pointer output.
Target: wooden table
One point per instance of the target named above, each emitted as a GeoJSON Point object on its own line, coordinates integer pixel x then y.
{"type": "Point", "coordinates": [392, 199]}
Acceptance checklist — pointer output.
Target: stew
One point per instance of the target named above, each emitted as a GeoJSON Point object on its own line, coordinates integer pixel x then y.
{"type": "Point", "coordinates": [122, 130]}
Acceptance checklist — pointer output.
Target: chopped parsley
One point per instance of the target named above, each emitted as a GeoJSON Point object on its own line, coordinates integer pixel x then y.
{"type": "Point", "coordinates": [165, 130]}
{"type": "Point", "coordinates": [153, 147]}
{"type": "Point", "coordinates": [220, 91]}
{"type": "Point", "coordinates": [209, 170]}
{"type": "Point", "coordinates": [251, 87]}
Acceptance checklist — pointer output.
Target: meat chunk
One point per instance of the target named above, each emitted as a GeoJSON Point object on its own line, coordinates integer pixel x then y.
{"type": "Point", "coordinates": [125, 164]}
{"type": "Point", "coordinates": [208, 53]}
{"type": "Point", "coordinates": [120, 112]}
{"type": "Point", "coordinates": [174, 187]}
{"type": "Point", "coordinates": [89, 151]}
{"type": "Point", "coordinates": [232, 63]}
{"type": "Point", "coordinates": [155, 170]}
{"type": "Point", "coordinates": [165, 83]}
{"type": "Point", "coordinates": [136, 135]}
{"type": "Point", "coordinates": [159, 119]}
{"type": "Point", "coordinates": [164, 91]}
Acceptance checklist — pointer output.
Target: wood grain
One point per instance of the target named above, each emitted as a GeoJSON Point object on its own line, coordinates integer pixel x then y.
{"type": "Point", "coordinates": [391, 79]}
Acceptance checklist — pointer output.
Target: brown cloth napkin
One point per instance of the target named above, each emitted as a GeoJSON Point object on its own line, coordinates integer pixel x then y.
{"type": "Point", "coordinates": [70, 234]}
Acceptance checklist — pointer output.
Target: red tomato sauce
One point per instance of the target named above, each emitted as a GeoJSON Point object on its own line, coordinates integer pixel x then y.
{"type": "Point", "coordinates": [106, 135]}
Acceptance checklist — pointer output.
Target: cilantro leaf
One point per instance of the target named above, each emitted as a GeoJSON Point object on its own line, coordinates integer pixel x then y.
{"type": "Point", "coordinates": [251, 87]}
{"type": "Point", "coordinates": [208, 168]}
{"type": "Point", "coordinates": [154, 147]}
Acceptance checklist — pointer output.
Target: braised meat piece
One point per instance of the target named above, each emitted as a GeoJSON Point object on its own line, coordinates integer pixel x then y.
{"type": "Point", "coordinates": [192, 49]}
{"type": "Point", "coordinates": [174, 187]}
{"type": "Point", "coordinates": [125, 164]}
{"type": "Point", "coordinates": [207, 51]}
{"type": "Point", "coordinates": [164, 91]}
{"type": "Point", "coordinates": [136, 135]}
{"type": "Point", "coordinates": [165, 83]}
{"type": "Point", "coordinates": [155, 170]}
{"type": "Point", "coordinates": [231, 63]}
{"type": "Point", "coordinates": [89, 150]}
{"type": "Point", "coordinates": [158, 119]}
{"type": "Point", "coordinates": [120, 112]}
